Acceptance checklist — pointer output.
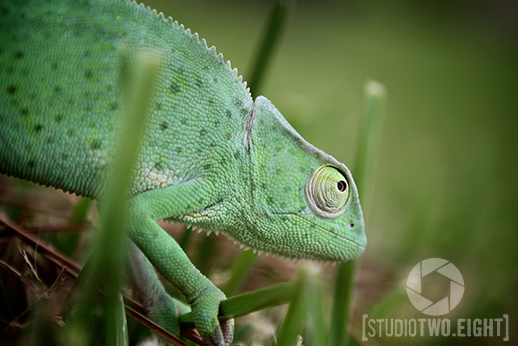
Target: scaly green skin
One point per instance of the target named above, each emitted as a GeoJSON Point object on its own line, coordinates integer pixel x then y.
{"type": "Point", "coordinates": [211, 157]}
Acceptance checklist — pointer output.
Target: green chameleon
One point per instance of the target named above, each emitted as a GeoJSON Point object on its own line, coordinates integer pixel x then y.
{"type": "Point", "coordinates": [211, 156]}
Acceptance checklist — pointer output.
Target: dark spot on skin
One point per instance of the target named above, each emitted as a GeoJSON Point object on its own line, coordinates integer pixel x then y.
{"type": "Point", "coordinates": [96, 144]}
{"type": "Point", "coordinates": [183, 121]}
{"type": "Point", "coordinates": [228, 113]}
{"type": "Point", "coordinates": [159, 166]}
{"type": "Point", "coordinates": [4, 11]}
{"type": "Point", "coordinates": [59, 118]}
{"type": "Point", "coordinates": [227, 136]}
{"type": "Point", "coordinates": [88, 108]}
{"type": "Point", "coordinates": [215, 80]}
{"type": "Point", "coordinates": [57, 89]}
{"type": "Point", "coordinates": [64, 157]}
{"type": "Point", "coordinates": [163, 126]}
{"type": "Point", "coordinates": [54, 66]}
{"type": "Point", "coordinates": [18, 55]}
{"type": "Point", "coordinates": [38, 128]}
{"type": "Point", "coordinates": [158, 106]}
{"type": "Point", "coordinates": [70, 132]}
{"type": "Point", "coordinates": [178, 150]}
{"type": "Point", "coordinates": [237, 154]}
{"type": "Point", "coordinates": [31, 164]}
{"type": "Point", "coordinates": [244, 111]}
{"type": "Point", "coordinates": [198, 82]}
{"type": "Point", "coordinates": [49, 140]}
{"type": "Point", "coordinates": [212, 145]}
{"type": "Point", "coordinates": [211, 101]}
{"type": "Point", "coordinates": [11, 89]}
{"type": "Point", "coordinates": [88, 74]}
{"type": "Point", "coordinates": [351, 225]}
{"type": "Point", "coordinates": [216, 122]}
{"type": "Point", "coordinates": [24, 111]}
{"type": "Point", "coordinates": [203, 132]}
{"type": "Point", "coordinates": [174, 88]}
{"type": "Point", "coordinates": [114, 106]}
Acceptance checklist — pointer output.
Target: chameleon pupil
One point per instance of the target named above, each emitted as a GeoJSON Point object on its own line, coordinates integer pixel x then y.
{"type": "Point", "coordinates": [341, 185]}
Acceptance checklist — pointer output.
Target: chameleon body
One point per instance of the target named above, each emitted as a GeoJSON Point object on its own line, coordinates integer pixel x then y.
{"type": "Point", "coordinates": [211, 156]}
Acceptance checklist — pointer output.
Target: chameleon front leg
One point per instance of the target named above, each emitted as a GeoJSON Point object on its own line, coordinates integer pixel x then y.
{"type": "Point", "coordinates": [170, 260]}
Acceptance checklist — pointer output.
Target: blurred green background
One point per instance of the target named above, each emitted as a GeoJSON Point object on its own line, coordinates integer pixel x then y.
{"type": "Point", "coordinates": [445, 183]}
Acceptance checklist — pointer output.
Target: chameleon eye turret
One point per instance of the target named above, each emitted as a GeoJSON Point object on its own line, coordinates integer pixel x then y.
{"type": "Point", "coordinates": [327, 192]}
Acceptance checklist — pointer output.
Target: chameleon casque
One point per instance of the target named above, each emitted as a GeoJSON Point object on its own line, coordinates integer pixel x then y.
{"type": "Point", "coordinates": [211, 156]}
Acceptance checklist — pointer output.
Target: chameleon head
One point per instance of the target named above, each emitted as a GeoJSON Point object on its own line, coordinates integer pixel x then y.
{"type": "Point", "coordinates": [305, 203]}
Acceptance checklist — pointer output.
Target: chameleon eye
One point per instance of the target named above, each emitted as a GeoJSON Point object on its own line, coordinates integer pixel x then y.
{"type": "Point", "coordinates": [327, 191]}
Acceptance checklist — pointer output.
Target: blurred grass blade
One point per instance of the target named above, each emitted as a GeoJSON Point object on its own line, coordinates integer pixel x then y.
{"type": "Point", "coordinates": [111, 244]}
{"type": "Point", "coordinates": [80, 211]}
{"type": "Point", "coordinates": [316, 329]}
{"type": "Point", "coordinates": [246, 303]}
{"type": "Point", "coordinates": [370, 127]}
{"type": "Point", "coordinates": [108, 261]}
{"type": "Point", "coordinates": [118, 324]}
{"type": "Point", "coordinates": [341, 303]}
{"type": "Point", "coordinates": [240, 268]}
{"type": "Point", "coordinates": [281, 12]}
{"type": "Point", "coordinates": [297, 312]}
{"type": "Point", "coordinates": [373, 111]}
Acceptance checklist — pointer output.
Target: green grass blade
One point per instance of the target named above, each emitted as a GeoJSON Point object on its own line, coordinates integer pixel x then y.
{"type": "Point", "coordinates": [297, 313]}
{"type": "Point", "coordinates": [246, 303]}
{"type": "Point", "coordinates": [108, 261]}
{"type": "Point", "coordinates": [112, 252]}
{"type": "Point", "coordinates": [374, 103]}
{"type": "Point", "coordinates": [240, 268]}
{"type": "Point", "coordinates": [341, 303]}
{"type": "Point", "coordinates": [280, 14]}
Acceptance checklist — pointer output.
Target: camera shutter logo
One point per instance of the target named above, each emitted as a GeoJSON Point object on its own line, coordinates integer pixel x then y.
{"type": "Point", "coordinates": [443, 267]}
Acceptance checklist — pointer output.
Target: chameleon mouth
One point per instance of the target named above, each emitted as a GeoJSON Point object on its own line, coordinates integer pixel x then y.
{"type": "Point", "coordinates": [356, 243]}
